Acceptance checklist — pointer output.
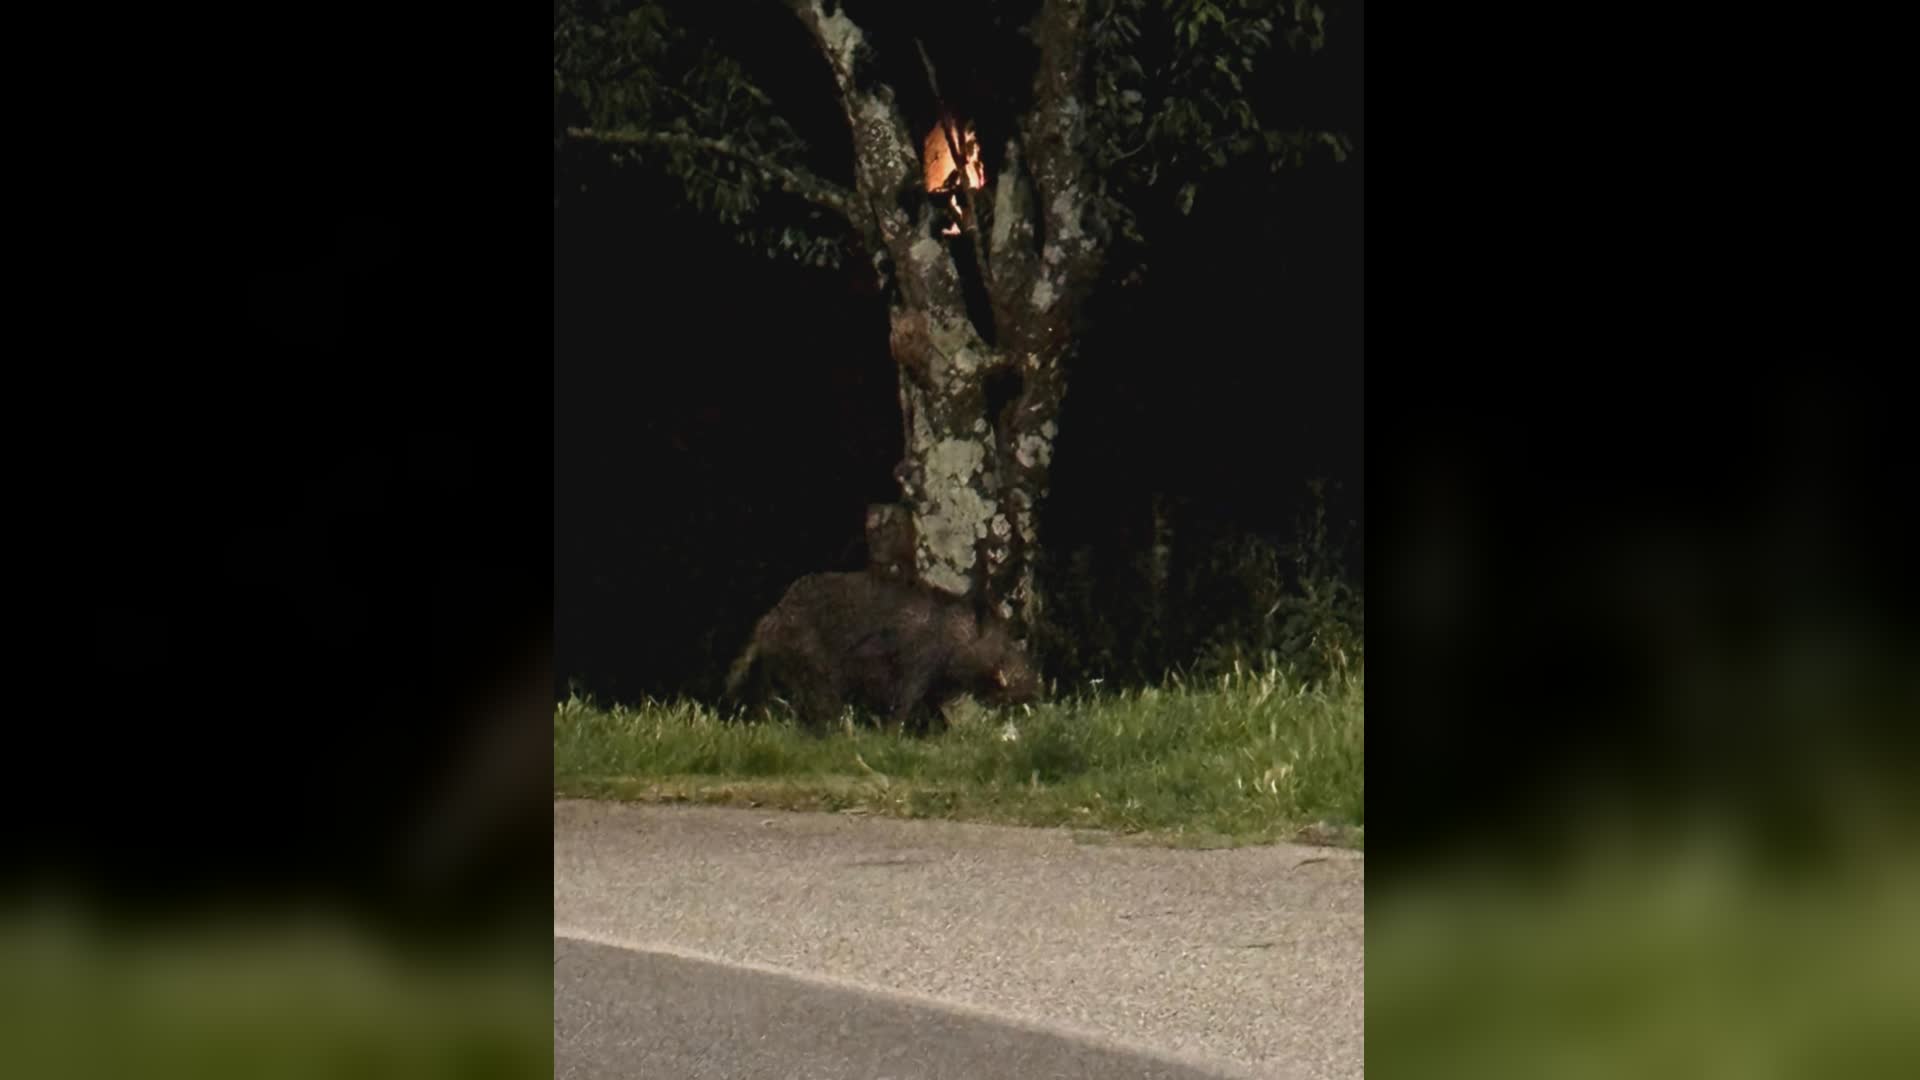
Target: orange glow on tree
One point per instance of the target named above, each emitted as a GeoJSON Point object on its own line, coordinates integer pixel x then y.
{"type": "Point", "coordinates": [943, 175]}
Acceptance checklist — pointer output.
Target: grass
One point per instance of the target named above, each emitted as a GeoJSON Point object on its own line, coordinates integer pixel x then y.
{"type": "Point", "coordinates": [1250, 758]}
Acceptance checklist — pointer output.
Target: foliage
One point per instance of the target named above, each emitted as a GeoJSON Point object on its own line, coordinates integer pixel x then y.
{"type": "Point", "coordinates": [1177, 96]}
{"type": "Point", "coordinates": [1299, 604]}
{"type": "Point", "coordinates": [1324, 622]}
{"type": "Point", "coordinates": [1237, 600]}
{"type": "Point", "coordinates": [627, 67]}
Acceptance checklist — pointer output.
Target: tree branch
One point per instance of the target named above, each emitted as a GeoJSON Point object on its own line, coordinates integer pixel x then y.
{"type": "Point", "coordinates": [1016, 255]}
{"type": "Point", "coordinates": [1056, 140]}
{"type": "Point", "coordinates": [838, 36]}
{"type": "Point", "coordinates": [884, 153]}
{"type": "Point", "coordinates": [794, 181]}
{"type": "Point", "coordinates": [1059, 31]}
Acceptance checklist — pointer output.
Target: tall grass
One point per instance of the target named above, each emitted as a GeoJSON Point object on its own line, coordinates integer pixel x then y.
{"type": "Point", "coordinates": [1244, 756]}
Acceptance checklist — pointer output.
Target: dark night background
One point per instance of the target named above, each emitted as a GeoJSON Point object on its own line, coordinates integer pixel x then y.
{"type": "Point", "coordinates": [722, 421]}
{"type": "Point", "coordinates": [1631, 439]}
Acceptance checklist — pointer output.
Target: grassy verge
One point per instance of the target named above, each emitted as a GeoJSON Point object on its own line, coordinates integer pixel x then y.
{"type": "Point", "coordinates": [1249, 759]}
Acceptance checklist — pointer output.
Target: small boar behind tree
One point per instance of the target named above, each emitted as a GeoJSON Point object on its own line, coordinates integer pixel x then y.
{"type": "Point", "coordinates": [900, 650]}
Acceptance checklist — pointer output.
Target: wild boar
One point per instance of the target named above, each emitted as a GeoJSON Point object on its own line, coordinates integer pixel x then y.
{"type": "Point", "coordinates": [899, 650]}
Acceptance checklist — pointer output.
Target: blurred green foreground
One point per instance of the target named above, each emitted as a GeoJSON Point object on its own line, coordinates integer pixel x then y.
{"type": "Point", "coordinates": [1690, 960]}
{"type": "Point", "coordinates": [271, 1001]}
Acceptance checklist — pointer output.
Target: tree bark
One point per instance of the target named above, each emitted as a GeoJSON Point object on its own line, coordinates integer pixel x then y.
{"type": "Point", "coordinates": [979, 405]}
{"type": "Point", "coordinates": [976, 467]}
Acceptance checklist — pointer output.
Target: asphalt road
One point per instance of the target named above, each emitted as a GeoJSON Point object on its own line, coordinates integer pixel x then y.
{"type": "Point", "coordinates": [714, 942]}
{"type": "Point", "coordinates": [621, 1014]}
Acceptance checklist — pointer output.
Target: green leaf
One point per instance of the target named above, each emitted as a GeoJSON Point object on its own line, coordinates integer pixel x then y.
{"type": "Point", "coordinates": [1220, 64]}
{"type": "Point", "coordinates": [1185, 199]}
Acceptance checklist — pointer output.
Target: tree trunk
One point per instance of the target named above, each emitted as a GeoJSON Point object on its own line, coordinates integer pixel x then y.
{"type": "Point", "coordinates": [979, 409]}
{"type": "Point", "coordinates": [976, 461]}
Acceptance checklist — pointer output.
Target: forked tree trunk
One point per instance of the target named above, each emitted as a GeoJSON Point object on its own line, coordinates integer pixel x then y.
{"type": "Point", "coordinates": [979, 404]}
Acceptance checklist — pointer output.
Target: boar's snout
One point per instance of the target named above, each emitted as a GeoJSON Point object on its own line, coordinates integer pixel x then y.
{"type": "Point", "coordinates": [1014, 683]}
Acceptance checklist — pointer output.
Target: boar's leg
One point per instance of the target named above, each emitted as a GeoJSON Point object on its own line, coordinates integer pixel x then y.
{"type": "Point", "coordinates": [873, 669]}
{"type": "Point", "coordinates": [909, 694]}
{"type": "Point", "coordinates": [812, 693]}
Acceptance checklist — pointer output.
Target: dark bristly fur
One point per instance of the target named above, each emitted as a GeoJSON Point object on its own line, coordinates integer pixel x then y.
{"type": "Point", "coordinates": [897, 649]}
